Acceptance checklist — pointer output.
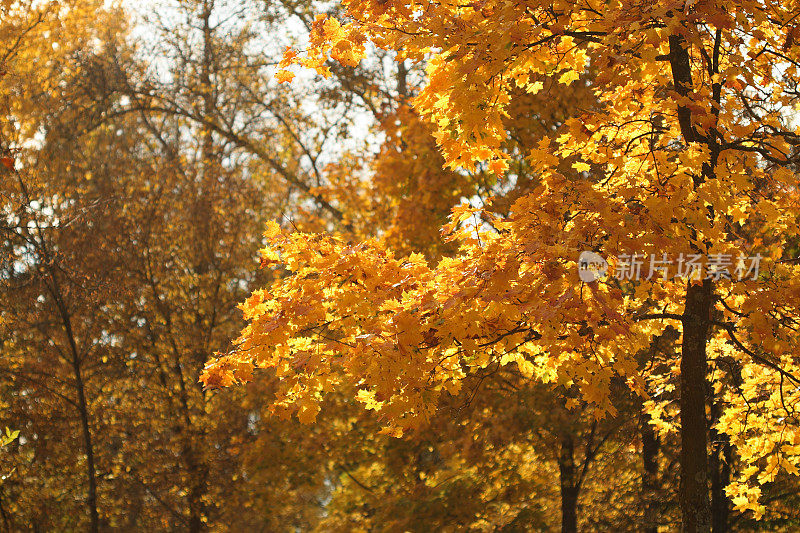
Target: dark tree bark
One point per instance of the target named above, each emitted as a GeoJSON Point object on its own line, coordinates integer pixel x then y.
{"type": "Point", "coordinates": [694, 497]}
{"type": "Point", "coordinates": [651, 483]}
{"type": "Point", "coordinates": [197, 468]}
{"type": "Point", "coordinates": [693, 492]}
{"type": "Point", "coordinates": [569, 484]}
{"type": "Point", "coordinates": [88, 448]}
{"type": "Point", "coordinates": [719, 464]}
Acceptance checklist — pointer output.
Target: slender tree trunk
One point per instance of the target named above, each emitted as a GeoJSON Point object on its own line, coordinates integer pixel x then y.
{"type": "Point", "coordinates": [196, 468]}
{"type": "Point", "coordinates": [694, 497]}
{"type": "Point", "coordinates": [650, 479]}
{"type": "Point", "coordinates": [91, 500]}
{"type": "Point", "coordinates": [195, 464]}
{"type": "Point", "coordinates": [402, 83]}
{"type": "Point", "coordinates": [720, 461]}
{"type": "Point", "coordinates": [208, 166]}
{"type": "Point", "coordinates": [54, 287]}
{"type": "Point", "coordinates": [569, 485]}
{"type": "Point", "coordinates": [720, 478]}
{"type": "Point", "coordinates": [82, 404]}
{"type": "Point", "coordinates": [83, 410]}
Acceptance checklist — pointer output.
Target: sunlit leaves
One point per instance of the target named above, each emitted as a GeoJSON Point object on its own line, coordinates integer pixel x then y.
{"type": "Point", "coordinates": [646, 166]}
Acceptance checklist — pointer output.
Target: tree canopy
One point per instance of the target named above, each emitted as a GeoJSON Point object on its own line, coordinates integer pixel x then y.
{"type": "Point", "coordinates": [499, 266]}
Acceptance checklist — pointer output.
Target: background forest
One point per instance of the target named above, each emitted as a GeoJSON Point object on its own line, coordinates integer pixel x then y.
{"type": "Point", "coordinates": [145, 149]}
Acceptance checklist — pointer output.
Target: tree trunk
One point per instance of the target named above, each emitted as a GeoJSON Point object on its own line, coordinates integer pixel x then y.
{"type": "Point", "coordinates": [650, 479]}
{"type": "Point", "coordinates": [402, 82]}
{"type": "Point", "coordinates": [720, 478]}
{"type": "Point", "coordinates": [693, 492]}
{"type": "Point", "coordinates": [82, 404]}
{"type": "Point", "coordinates": [694, 497]}
{"type": "Point", "coordinates": [88, 449]}
{"type": "Point", "coordinates": [720, 461]}
{"type": "Point", "coordinates": [569, 485]}
{"type": "Point", "coordinates": [54, 287]}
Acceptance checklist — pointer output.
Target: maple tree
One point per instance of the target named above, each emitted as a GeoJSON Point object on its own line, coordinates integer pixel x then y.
{"type": "Point", "coordinates": [688, 149]}
{"type": "Point", "coordinates": [439, 491]}
{"type": "Point", "coordinates": [433, 190]}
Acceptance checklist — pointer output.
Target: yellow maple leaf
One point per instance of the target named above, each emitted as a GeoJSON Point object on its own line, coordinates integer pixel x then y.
{"type": "Point", "coordinates": [568, 77]}
{"type": "Point", "coordinates": [284, 76]}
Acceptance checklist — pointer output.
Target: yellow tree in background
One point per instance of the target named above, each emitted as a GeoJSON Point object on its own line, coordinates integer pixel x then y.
{"type": "Point", "coordinates": [127, 237]}
{"type": "Point", "coordinates": [46, 320]}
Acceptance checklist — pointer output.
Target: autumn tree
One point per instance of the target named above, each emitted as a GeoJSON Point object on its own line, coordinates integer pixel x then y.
{"type": "Point", "coordinates": [687, 151]}
{"type": "Point", "coordinates": [432, 192]}
{"type": "Point", "coordinates": [53, 279]}
{"type": "Point", "coordinates": [130, 235]}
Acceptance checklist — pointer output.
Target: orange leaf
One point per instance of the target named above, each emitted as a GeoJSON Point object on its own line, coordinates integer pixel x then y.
{"type": "Point", "coordinates": [498, 166]}
{"type": "Point", "coordinates": [284, 76]}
